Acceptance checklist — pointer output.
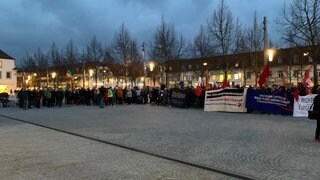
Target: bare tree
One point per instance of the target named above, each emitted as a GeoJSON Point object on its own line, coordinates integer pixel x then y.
{"type": "Point", "coordinates": [28, 62]}
{"type": "Point", "coordinates": [71, 53]}
{"type": "Point", "coordinates": [221, 29]}
{"type": "Point", "coordinates": [301, 22]}
{"type": "Point", "coordinates": [166, 46]}
{"type": "Point", "coordinates": [54, 55]}
{"type": "Point", "coordinates": [94, 50]}
{"type": "Point", "coordinates": [121, 45]}
{"type": "Point", "coordinates": [254, 42]}
{"type": "Point", "coordinates": [202, 46]}
{"type": "Point", "coordinates": [124, 50]}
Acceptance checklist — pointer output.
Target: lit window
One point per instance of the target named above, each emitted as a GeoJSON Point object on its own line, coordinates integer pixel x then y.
{"type": "Point", "coordinates": [229, 76]}
{"type": "Point", "coordinates": [214, 77]}
{"type": "Point", "coordinates": [221, 77]}
{"type": "Point", "coordinates": [8, 75]}
{"type": "Point", "coordinates": [236, 76]}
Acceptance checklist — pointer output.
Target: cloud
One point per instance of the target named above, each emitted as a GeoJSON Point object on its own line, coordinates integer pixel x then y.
{"type": "Point", "coordinates": [32, 24]}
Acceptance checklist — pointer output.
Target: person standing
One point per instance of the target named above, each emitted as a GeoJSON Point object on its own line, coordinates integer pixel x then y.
{"type": "Point", "coordinates": [316, 107]}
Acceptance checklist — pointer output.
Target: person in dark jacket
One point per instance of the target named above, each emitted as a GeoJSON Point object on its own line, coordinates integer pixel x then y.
{"type": "Point", "coordinates": [316, 107]}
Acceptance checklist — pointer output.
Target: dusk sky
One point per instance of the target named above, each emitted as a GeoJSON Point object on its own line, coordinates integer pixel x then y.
{"type": "Point", "coordinates": [30, 24]}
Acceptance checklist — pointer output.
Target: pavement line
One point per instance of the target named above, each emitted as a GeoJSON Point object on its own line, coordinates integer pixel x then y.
{"type": "Point", "coordinates": [185, 162]}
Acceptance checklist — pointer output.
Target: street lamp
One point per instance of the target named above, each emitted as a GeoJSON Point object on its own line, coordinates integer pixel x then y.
{"type": "Point", "coordinates": [53, 75]}
{"type": "Point", "coordinates": [205, 64]}
{"type": "Point", "coordinates": [270, 55]}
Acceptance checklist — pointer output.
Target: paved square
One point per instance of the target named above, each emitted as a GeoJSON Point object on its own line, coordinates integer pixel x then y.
{"type": "Point", "coordinates": [258, 145]}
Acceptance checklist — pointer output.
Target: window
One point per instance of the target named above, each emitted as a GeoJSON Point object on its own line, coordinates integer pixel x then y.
{"type": "Point", "coordinates": [296, 73]}
{"type": "Point", "coordinates": [236, 76]}
{"type": "Point", "coordinates": [295, 59]}
{"type": "Point", "coordinates": [183, 67]}
{"type": "Point", "coordinates": [280, 74]}
{"type": "Point", "coordinates": [214, 77]}
{"type": "Point", "coordinates": [318, 73]}
{"type": "Point", "coordinates": [248, 75]}
{"type": "Point", "coordinates": [0, 74]}
{"type": "Point", "coordinates": [229, 76]}
{"type": "Point", "coordinates": [8, 75]}
{"type": "Point", "coordinates": [309, 58]}
{"type": "Point", "coordinates": [0, 64]}
{"type": "Point", "coordinates": [279, 60]}
{"type": "Point", "coordinates": [189, 66]}
{"type": "Point", "coordinates": [221, 77]}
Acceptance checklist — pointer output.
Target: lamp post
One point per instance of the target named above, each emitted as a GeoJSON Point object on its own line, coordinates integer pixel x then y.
{"type": "Point", "coordinates": [205, 64]}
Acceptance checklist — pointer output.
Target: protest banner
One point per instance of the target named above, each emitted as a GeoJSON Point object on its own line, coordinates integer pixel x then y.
{"type": "Point", "coordinates": [276, 102]}
{"type": "Point", "coordinates": [302, 106]}
{"type": "Point", "coordinates": [179, 97]}
{"type": "Point", "coordinates": [227, 100]}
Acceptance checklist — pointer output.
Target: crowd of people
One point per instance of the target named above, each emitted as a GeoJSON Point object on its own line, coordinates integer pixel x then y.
{"type": "Point", "coordinates": [108, 96]}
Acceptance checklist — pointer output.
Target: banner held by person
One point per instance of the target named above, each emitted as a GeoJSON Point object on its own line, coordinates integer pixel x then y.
{"type": "Point", "coordinates": [276, 102]}
{"type": "Point", "coordinates": [226, 100]}
{"type": "Point", "coordinates": [302, 106]}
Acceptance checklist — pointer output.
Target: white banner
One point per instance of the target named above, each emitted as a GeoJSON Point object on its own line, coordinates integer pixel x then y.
{"type": "Point", "coordinates": [228, 100]}
{"type": "Point", "coordinates": [301, 107]}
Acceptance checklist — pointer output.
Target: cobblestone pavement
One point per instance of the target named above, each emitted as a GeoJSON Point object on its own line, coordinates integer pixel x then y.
{"type": "Point", "coordinates": [31, 152]}
{"type": "Point", "coordinates": [258, 145]}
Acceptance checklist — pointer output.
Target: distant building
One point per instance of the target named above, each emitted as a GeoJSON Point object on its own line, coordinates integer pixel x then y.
{"type": "Point", "coordinates": [8, 73]}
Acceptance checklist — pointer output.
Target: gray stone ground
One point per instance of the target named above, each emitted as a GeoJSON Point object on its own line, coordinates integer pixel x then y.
{"type": "Point", "coordinates": [259, 145]}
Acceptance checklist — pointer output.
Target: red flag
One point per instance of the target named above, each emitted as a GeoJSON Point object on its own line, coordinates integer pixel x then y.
{"type": "Point", "coordinates": [264, 75]}
{"type": "Point", "coordinates": [305, 82]}
{"type": "Point", "coordinates": [306, 77]}
{"type": "Point", "coordinates": [296, 94]}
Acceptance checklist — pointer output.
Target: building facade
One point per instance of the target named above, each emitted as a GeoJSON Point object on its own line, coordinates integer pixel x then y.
{"type": "Point", "coordinates": [8, 73]}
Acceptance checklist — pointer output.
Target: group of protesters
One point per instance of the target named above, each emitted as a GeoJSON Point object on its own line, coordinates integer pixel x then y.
{"type": "Point", "coordinates": [108, 96]}
{"type": "Point", "coordinates": [103, 96]}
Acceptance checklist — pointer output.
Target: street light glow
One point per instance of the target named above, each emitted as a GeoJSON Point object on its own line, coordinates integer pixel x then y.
{"type": "Point", "coordinates": [53, 75]}
{"type": "Point", "coordinates": [270, 54]}
{"type": "Point", "coordinates": [151, 65]}
{"type": "Point", "coordinates": [90, 72]}
{"type": "Point", "coordinates": [205, 64]}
